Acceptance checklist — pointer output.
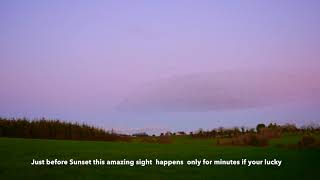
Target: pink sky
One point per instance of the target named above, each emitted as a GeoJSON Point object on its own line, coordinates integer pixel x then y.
{"type": "Point", "coordinates": [155, 64]}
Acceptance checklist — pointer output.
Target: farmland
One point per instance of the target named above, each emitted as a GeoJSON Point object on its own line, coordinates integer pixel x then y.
{"type": "Point", "coordinates": [17, 155]}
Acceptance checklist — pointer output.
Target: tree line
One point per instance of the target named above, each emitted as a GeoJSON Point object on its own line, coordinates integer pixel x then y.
{"type": "Point", "coordinates": [272, 129]}
{"type": "Point", "coordinates": [53, 129]}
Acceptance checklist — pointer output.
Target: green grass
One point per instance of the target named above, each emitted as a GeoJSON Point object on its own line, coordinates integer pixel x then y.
{"type": "Point", "coordinates": [17, 154]}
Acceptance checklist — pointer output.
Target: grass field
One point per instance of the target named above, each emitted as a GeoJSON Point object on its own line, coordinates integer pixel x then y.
{"type": "Point", "coordinates": [17, 154]}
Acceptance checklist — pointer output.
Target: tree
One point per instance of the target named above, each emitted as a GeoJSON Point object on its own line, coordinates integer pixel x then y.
{"type": "Point", "coordinates": [243, 129]}
{"type": "Point", "coordinates": [259, 127]}
{"type": "Point", "coordinates": [181, 133]}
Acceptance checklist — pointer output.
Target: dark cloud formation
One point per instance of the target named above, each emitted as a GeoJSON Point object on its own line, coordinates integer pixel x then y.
{"type": "Point", "coordinates": [223, 91]}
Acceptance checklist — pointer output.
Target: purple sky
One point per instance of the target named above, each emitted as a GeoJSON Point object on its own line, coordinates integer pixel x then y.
{"type": "Point", "coordinates": [155, 65]}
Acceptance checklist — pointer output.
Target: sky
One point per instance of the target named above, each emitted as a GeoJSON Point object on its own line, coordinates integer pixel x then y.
{"type": "Point", "coordinates": [161, 65]}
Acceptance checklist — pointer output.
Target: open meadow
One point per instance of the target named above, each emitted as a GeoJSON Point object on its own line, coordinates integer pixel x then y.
{"type": "Point", "coordinates": [16, 155]}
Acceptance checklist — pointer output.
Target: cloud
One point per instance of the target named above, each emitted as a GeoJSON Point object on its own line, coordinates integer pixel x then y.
{"type": "Point", "coordinates": [222, 91]}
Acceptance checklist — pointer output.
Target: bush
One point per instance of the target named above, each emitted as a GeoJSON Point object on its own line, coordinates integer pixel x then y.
{"type": "Point", "coordinates": [164, 140]}
{"type": "Point", "coordinates": [270, 132]}
{"type": "Point", "coordinates": [307, 141]}
{"type": "Point", "coordinates": [257, 140]}
{"type": "Point", "coordinates": [244, 140]}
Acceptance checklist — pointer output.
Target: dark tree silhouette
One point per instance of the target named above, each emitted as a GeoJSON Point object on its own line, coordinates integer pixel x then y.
{"type": "Point", "coordinates": [54, 129]}
{"type": "Point", "coordinates": [259, 127]}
